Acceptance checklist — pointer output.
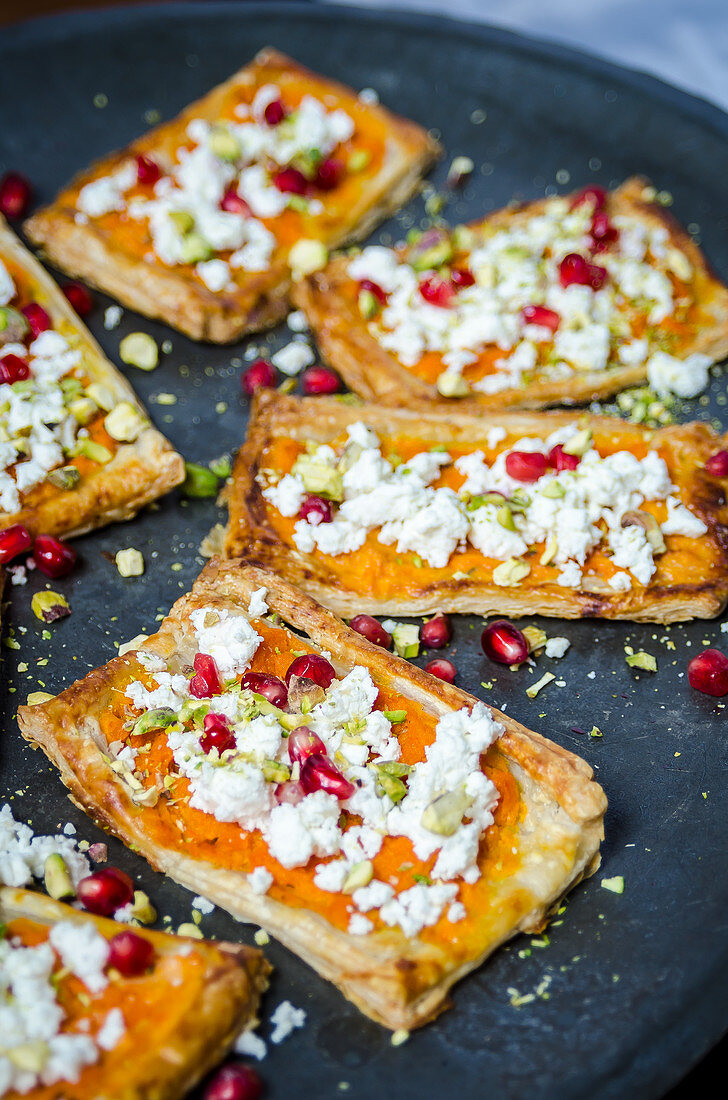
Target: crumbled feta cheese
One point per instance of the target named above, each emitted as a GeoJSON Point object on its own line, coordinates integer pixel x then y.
{"type": "Point", "coordinates": [250, 1045]}
{"type": "Point", "coordinates": [112, 317]}
{"type": "Point", "coordinates": [258, 606]}
{"type": "Point", "coordinates": [556, 647]}
{"type": "Point", "coordinates": [293, 358]}
{"type": "Point", "coordinates": [23, 855]}
{"type": "Point", "coordinates": [684, 377]}
{"type": "Point", "coordinates": [7, 286]}
{"type": "Point", "coordinates": [112, 1029]}
{"type": "Point", "coordinates": [227, 637]}
{"type": "Point", "coordinates": [83, 950]}
{"type": "Point", "coordinates": [417, 908]}
{"type": "Point", "coordinates": [204, 905]}
{"type": "Point", "coordinates": [285, 1020]}
{"type": "Point", "coordinates": [260, 880]}
{"type": "Point", "coordinates": [359, 925]}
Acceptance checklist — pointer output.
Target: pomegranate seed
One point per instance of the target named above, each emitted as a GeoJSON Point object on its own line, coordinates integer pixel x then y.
{"type": "Point", "coordinates": [371, 629]}
{"type": "Point", "coordinates": [436, 632]}
{"type": "Point", "coordinates": [260, 375]}
{"type": "Point", "coordinates": [575, 269]}
{"type": "Point", "coordinates": [234, 203]}
{"type": "Point", "coordinates": [270, 687]}
{"type": "Point", "coordinates": [206, 681]}
{"type": "Point", "coordinates": [14, 540]}
{"type": "Point", "coordinates": [289, 792]}
{"type": "Point", "coordinates": [329, 174]}
{"type": "Point", "coordinates": [130, 954]}
{"type": "Point", "coordinates": [148, 171]}
{"type": "Point", "coordinates": [443, 669]}
{"type": "Point", "coordinates": [461, 277]}
{"type": "Point", "coordinates": [80, 298]}
{"type": "Point", "coordinates": [526, 465]}
{"type": "Point", "coordinates": [437, 291]}
{"type": "Point", "coordinates": [16, 195]}
{"type": "Point", "coordinates": [234, 1082]}
{"type": "Point", "coordinates": [105, 891]}
{"type": "Point", "coordinates": [13, 369]}
{"type": "Point", "coordinates": [37, 318]}
{"type": "Point", "coordinates": [318, 773]}
{"type": "Point", "coordinates": [303, 743]}
{"type": "Point", "coordinates": [375, 289]}
{"type": "Point", "coordinates": [290, 181]}
{"type": "Point", "coordinates": [602, 231]}
{"type": "Point", "coordinates": [593, 194]}
{"type": "Point", "coordinates": [540, 315]}
{"type": "Point", "coordinates": [319, 380]}
{"type": "Point", "coordinates": [503, 642]}
{"type": "Point", "coordinates": [560, 460]}
{"type": "Point", "coordinates": [316, 510]}
{"type": "Point", "coordinates": [313, 667]}
{"type": "Point", "coordinates": [217, 734]}
{"type": "Point", "coordinates": [274, 112]}
{"type": "Point", "coordinates": [53, 557]}
{"type": "Point", "coordinates": [708, 672]}
{"type": "Point", "coordinates": [717, 464]}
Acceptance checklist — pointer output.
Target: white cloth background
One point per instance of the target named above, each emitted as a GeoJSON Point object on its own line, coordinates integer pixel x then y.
{"type": "Point", "coordinates": [685, 42]}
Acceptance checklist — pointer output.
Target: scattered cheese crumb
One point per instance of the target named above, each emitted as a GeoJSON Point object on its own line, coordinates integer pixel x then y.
{"type": "Point", "coordinates": [250, 1045]}
{"type": "Point", "coordinates": [112, 317]}
{"type": "Point", "coordinates": [285, 1020]}
{"type": "Point", "coordinates": [204, 905]}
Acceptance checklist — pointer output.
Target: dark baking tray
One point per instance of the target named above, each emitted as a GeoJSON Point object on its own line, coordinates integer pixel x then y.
{"type": "Point", "coordinates": [637, 990]}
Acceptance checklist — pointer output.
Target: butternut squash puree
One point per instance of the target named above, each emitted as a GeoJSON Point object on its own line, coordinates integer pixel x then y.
{"type": "Point", "coordinates": [145, 1002]}
{"type": "Point", "coordinates": [370, 136]}
{"type": "Point", "coordinates": [382, 572]}
{"type": "Point", "coordinates": [175, 824]}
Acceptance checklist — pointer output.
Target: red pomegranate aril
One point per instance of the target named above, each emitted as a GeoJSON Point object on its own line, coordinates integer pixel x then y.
{"type": "Point", "coordinates": [37, 318]}
{"type": "Point", "coordinates": [526, 465]}
{"type": "Point", "coordinates": [316, 510]}
{"type": "Point", "coordinates": [13, 369]}
{"type": "Point", "coordinates": [540, 315]}
{"type": "Point", "coordinates": [274, 112]}
{"type": "Point", "coordinates": [270, 687]}
{"type": "Point", "coordinates": [438, 292]}
{"type": "Point", "coordinates": [436, 632]}
{"type": "Point", "coordinates": [505, 643]}
{"type": "Point", "coordinates": [148, 171]}
{"type": "Point", "coordinates": [375, 289]}
{"type": "Point", "coordinates": [708, 672]}
{"type": "Point", "coordinates": [560, 460]}
{"type": "Point", "coordinates": [16, 195]}
{"type": "Point", "coordinates": [443, 669]}
{"type": "Point", "coordinates": [602, 229]}
{"type": "Point", "coordinates": [105, 891]}
{"type": "Point", "coordinates": [371, 629]}
{"type": "Point", "coordinates": [130, 954]}
{"type": "Point", "coordinates": [717, 464]}
{"type": "Point", "coordinates": [288, 792]}
{"type": "Point", "coordinates": [206, 681]}
{"type": "Point", "coordinates": [319, 380]}
{"type": "Point", "coordinates": [290, 181]}
{"type": "Point", "coordinates": [217, 734]}
{"type": "Point", "coordinates": [234, 203]}
{"type": "Point", "coordinates": [53, 557]}
{"type": "Point", "coordinates": [14, 540]}
{"type": "Point", "coordinates": [234, 1082]}
{"type": "Point", "coordinates": [329, 174]}
{"type": "Point", "coordinates": [303, 743]}
{"type": "Point", "coordinates": [461, 277]}
{"type": "Point", "coordinates": [574, 269]}
{"type": "Point", "coordinates": [318, 773]}
{"type": "Point", "coordinates": [80, 298]}
{"type": "Point", "coordinates": [260, 375]}
{"type": "Point", "coordinates": [313, 667]}
{"type": "Point", "coordinates": [593, 193]}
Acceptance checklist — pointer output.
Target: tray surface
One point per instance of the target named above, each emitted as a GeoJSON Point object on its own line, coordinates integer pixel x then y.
{"type": "Point", "coordinates": [636, 983]}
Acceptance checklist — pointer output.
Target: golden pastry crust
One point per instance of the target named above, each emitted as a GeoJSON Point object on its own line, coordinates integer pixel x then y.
{"type": "Point", "coordinates": [250, 533]}
{"type": "Point", "coordinates": [398, 981]}
{"type": "Point", "coordinates": [138, 473]}
{"type": "Point", "coordinates": [371, 371]}
{"type": "Point", "coordinates": [260, 300]}
{"type": "Point", "coordinates": [181, 1050]}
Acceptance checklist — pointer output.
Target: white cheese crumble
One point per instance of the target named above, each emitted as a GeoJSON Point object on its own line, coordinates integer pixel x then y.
{"type": "Point", "coordinates": [227, 637]}
{"type": "Point", "coordinates": [285, 1020]}
{"type": "Point", "coordinates": [112, 1030]}
{"type": "Point", "coordinates": [684, 377]}
{"type": "Point", "coordinates": [203, 904]}
{"type": "Point", "coordinates": [83, 950]}
{"type": "Point", "coordinates": [260, 880]}
{"type": "Point", "coordinates": [23, 855]}
{"type": "Point", "coordinates": [251, 1045]}
{"type": "Point", "coordinates": [291, 359]}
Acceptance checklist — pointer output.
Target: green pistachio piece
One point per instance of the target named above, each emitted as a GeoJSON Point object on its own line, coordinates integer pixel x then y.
{"type": "Point", "coordinates": [275, 772]}
{"type": "Point", "coordinates": [485, 498]}
{"type": "Point", "coordinates": [452, 384]}
{"type": "Point", "coordinates": [358, 160]}
{"type": "Point", "coordinates": [318, 478]}
{"type": "Point", "coordinates": [504, 516]}
{"type": "Point", "coordinates": [550, 550]}
{"type": "Point", "coordinates": [307, 256]}
{"type": "Point", "coordinates": [224, 144]}
{"type": "Point", "coordinates": [102, 395]}
{"type": "Point", "coordinates": [56, 878]}
{"type": "Point", "coordinates": [183, 222]}
{"type": "Point", "coordinates": [298, 203]}
{"type": "Point", "coordinates": [391, 785]}
{"type": "Point", "coordinates": [125, 423]}
{"type": "Point", "coordinates": [536, 638]}
{"type": "Point", "coordinates": [49, 606]}
{"type": "Point", "coordinates": [95, 452]}
{"type": "Point", "coordinates": [13, 325]}
{"type": "Point", "coordinates": [395, 716]}
{"type": "Point", "coordinates": [138, 349]}
{"type": "Point", "coordinates": [64, 477]}
{"type": "Point", "coordinates": [393, 767]}
{"type": "Point", "coordinates": [406, 638]}
{"type": "Point", "coordinates": [649, 525]}
{"type": "Point", "coordinates": [193, 712]}
{"type": "Point", "coordinates": [199, 481]}
{"type": "Point", "coordinates": [519, 501]}
{"type": "Point", "coordinates": [554, 490]}
{"type": "Point", "coordinates": [369, 304]}
{"type": "Point", "coordinates": [425, 256]}
{"type": "Point", "coordinates": [222, 467]}
{"type": "Point", "coordinates": [70, 387]}
{"type": "Point", "coordinates": [195, 249]}
{"type": "Point", "coordinates": [31, 1056]}
{"type": "Point", "coordinates": [444, 815]}
{"type": "Point", "coordinates": [580, 443]}
{"type": "Point", "coordinates": [510, 572]}
{"type": "Point", "coordinates": [642, 660]}
{"type": "Point", "coordinates": [360, 875]}
{"type": "Point", "coordinates": [142, 909]}
{"type": "Point", "coordinates": [83, 410]}
{"type": "Point", "coordinates": [157, 719]}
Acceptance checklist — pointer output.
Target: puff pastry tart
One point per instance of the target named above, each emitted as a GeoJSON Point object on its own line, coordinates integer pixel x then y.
{"type": "Point", "coordinates": [77, 449]}
{"type": "Point", "coordinates": [201, 221]}
{"type": "Point", "coordinates": [384, 825]}
{"type": "Point", "coordinates": [404, 512]}
{"type": "Point", "coordinates": [556, 301]}
{"type": "Point", "coordinates": [76, 1028]}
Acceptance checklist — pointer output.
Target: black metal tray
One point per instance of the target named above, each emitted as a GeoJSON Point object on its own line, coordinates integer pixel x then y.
{"type": "Point", "coordinates": [637, 989]}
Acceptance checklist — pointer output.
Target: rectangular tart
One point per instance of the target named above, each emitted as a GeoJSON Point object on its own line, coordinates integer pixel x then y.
{"type": "Point", "coordinates": [78, 449]}
{"type": "Point", "coordinates": [405, 512]}
{"type": "Point", "coordinates": [525, 308]}
{"type": "Point", "coordinates": [200, 221]}
{"type": "Point", "coordinates": [387, 827]}
{"type": "Point", "coordinates": [88, 1033]}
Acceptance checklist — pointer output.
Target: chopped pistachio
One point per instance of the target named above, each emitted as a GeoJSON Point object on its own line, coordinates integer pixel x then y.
{"type": "Point", "coordinates": [369, 304]}
{"type": "Point", "coordinates": [101, 395]}
{"type": "Point", "coordinates": [391, 785]}
{"type": "Point", "coordinates": [94, 452]}
{"type": "Point", "coordinates": [677, 262]}
{"type": "Point", "coordinates": [395, 716]}
{"type": "Point", "coordinates": [199, 482]}
{"type": "Point", "coordinates": [550, 550]}
{"type": "Point", "coordinates": [195, 249]}
{"type": "Point", "coordinates": [261, 937]}
{"type": "Point", "coordinates": [189, 929]}
{"type": "Point", "coordinates": [31, 1056]}
{"type": "Point", "coordinates": [358, 160]}
{"type": "Point", "coordinates": [125, 423]}
{"type": "Point", "coordinates": [615, 884]}
{"type": "Point", "coordinates": [49, 606]}
{"type": "Point", "coordinates": [13, 324]}
{"type": "Point", "coordinates": [535, 637]}
{"type": "Point", "coordinates": [534, 689]}
{"type": "Point", "coordinates": [504, 516]}
{"type": "Point", "coordinates": [444, 815]}
{"type": "Point", "coordinates": [129, 562]}
{"type": "Point", "coordinates": [642, 660]}
{"type": "Point", "coordinates": [182, 220]}
{"type": "Point", "coordinates": [64, 477]}
{"type": "Point", "coordinates": [319, 478]}
{"type": "Point", "coordinates": [406, 638]}
{"type": "Point", "coordinates": [400, 1036]}
{"type": "Point", "coordinates": [222, 466]}
{"type": "Point", "coordinates": [157, 719]}
{"type": "Point", "coordinates": [83, 410]}
{"type": "Point", "coordinates": [224, 144]}
{"type": "Point", "coordinates": [595, 732]}
{"type": "Point", "coordinates": [35, 698]}
{"type": "Point", "coordinates": [274, 771]}
{"type": "Point", "coordinates": [142, 908]}
{"type": "Point", "coordinates": [579, 443]}
{"type": "Point", "coordinates": [554, 490]}
{"type": "Point", "coordinates": [650, 526]}
{"type": "Point", "coordinates": [510, 572]}
{"type": "Point", "coordinates": [360, 875]}
{"type": "Point", "coordinates": [56, 878]}
{"type": "Point", "coordinates": [138, 349]}
{"type": "Point", "coordinates": [424, 256]}
{"type": "Point", "coordinates": [307, 256]}
{"type": "Point", "coordinates": [452, 384]}
{"type": "Point", "coordinates": [132, 644]}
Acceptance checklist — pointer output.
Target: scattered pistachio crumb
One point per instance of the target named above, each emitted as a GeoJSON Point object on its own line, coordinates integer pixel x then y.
{"type": "Point", "coordinates": [642, 660]}
{"type": "Point", "coordinates": [261, 937]}
{"type": "Point", "coordinates": [129, 562]}
{"type": "Point", "coordinates": [191, 930]}
{"type": "Point", "coordinates": [615, 884]}
{"type": "Point", "coordinates": [534, 689]}
{"type": "Point", "coordinates": [400, 1036]}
